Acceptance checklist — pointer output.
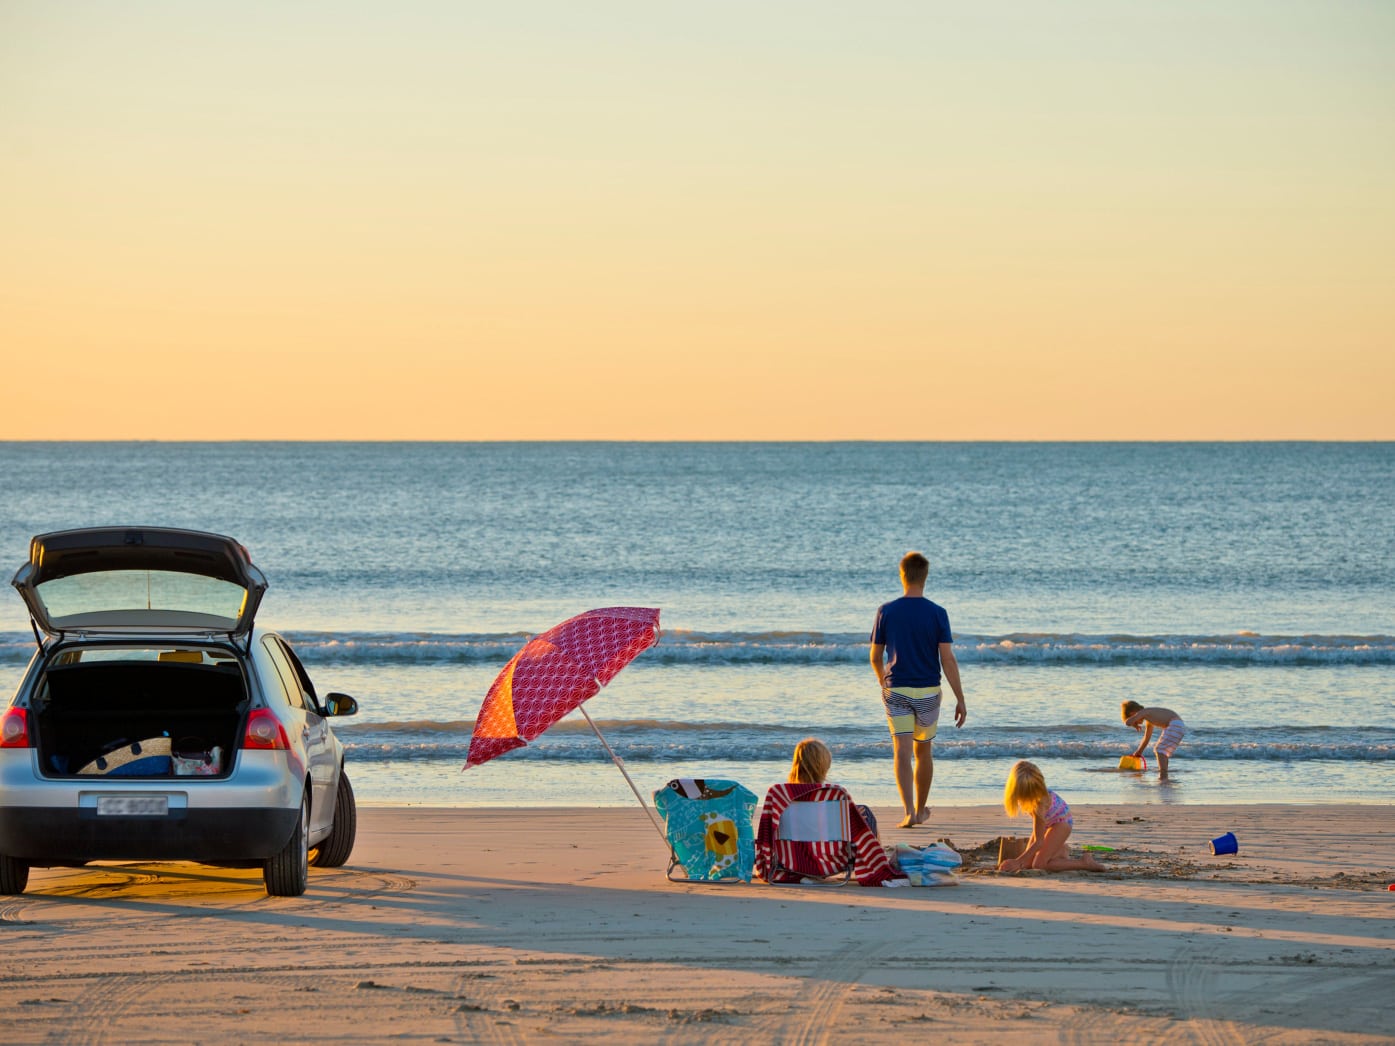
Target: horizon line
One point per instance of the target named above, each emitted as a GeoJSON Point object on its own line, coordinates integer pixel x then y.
{"type": "Point", "coordinates": [714, 440]}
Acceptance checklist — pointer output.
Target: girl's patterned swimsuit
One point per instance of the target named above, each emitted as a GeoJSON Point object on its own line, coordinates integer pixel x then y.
{"type": "Point", "coordinates": [1058, 812]}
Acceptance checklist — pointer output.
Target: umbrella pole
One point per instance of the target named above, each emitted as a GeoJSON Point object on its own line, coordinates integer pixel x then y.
{"type": "Point", "coordinates": [616, 759]}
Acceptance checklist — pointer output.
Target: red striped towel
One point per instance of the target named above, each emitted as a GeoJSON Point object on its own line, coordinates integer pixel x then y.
{"type": "Point", "coordinates": [871, 866]}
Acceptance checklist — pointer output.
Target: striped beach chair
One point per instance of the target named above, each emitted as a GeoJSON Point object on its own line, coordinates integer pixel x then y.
{"type": "Point", "coordinates": [813, 831]}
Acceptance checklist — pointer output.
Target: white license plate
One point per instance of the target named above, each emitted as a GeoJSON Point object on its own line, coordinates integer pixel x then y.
{"type": "Point", "coordinates": [133, 805]}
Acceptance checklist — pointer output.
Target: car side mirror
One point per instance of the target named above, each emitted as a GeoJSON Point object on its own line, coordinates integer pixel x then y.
{"type": "Point", "coordinates": [340, 704]}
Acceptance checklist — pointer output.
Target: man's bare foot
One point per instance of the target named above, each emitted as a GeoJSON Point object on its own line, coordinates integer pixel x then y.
{"type": "Point", "coordinates": [908, 821]}
{"type": "Point", "coordinates": [923, 816]}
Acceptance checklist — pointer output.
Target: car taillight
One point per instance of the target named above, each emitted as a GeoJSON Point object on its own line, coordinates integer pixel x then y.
{"type": "Point", "coordinates": [264, 730]}
{"type": "Point", "coordinates": [14, 729]}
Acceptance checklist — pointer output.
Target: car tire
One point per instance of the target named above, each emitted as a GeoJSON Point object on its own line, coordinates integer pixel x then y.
{"type": "Point", "coordinates": [288, 873]}
{"type": "Point", "coordinates": [337, 846]}
{"type": "Point", "coordinates": [14, 875]}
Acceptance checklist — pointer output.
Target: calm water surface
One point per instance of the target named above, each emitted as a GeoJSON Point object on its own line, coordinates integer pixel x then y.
{"type": "Point", "coordinates": [1249, 586]}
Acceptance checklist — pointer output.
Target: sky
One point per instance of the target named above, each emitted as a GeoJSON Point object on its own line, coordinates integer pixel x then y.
{"type": "Point", "coordinates": [640, 219]}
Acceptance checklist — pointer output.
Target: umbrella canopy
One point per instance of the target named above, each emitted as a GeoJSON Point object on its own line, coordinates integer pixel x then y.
{"type": "Point", "coordinates": [555, 672]}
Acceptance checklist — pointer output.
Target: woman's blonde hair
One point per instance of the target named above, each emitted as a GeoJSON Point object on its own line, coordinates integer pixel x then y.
{"type": "Point", "coordinates": [811, 762]}
{"type": "Point", "coordinates": [1026, 788]}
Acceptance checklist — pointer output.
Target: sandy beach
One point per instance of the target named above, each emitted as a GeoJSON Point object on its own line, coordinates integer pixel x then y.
{"type": "Point", "coordinates": [508, 926]}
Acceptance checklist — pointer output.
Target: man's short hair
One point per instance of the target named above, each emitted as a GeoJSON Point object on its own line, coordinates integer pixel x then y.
{"type": "Point", "coordinates": [915, 568]}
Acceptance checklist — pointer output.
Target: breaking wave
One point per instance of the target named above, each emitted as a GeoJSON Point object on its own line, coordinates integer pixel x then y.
{"type": "Point", "coordinates": [737, 648]}
{"type": "Point", "coordinates": [679, 647]}
{"type": "Point", "coordinates": [648, 740]}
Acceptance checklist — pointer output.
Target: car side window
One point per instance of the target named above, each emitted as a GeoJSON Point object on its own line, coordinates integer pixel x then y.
{"type": "Point", "coordinates": [302, 676]}
{"type": "Point", "coordinates": [289, 683]}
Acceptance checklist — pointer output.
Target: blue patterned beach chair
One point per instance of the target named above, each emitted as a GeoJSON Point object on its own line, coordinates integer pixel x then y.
{"type": "Point", "coordinates": [710, 828]}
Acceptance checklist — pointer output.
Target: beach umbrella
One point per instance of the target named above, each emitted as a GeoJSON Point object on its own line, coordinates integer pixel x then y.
{"type": "Point", "coordinates": [554, 673]}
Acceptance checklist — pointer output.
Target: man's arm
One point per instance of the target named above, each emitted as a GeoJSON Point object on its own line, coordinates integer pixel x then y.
{"type": "Point", "coordinates": [879, 663]}
{"type": "Point", "coordinates": [949, 665]}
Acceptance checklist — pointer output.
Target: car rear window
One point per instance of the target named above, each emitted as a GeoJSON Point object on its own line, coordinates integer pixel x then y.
{"type": "Point", "coordinates": [181, 655]}
{"type": "Point", "coordinates": [115, 594]}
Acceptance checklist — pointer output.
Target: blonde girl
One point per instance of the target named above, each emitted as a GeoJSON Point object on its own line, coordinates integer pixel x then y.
{"type": "Point", "coordinates": [810, 766]}
{"type": "Point", "coordinates": [1026, 793]}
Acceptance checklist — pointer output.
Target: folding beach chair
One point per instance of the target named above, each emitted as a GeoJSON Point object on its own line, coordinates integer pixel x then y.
{"type": "Point", "coordinates": [709, 825]}
{"type": "Point", "coordinates": [813, 831]}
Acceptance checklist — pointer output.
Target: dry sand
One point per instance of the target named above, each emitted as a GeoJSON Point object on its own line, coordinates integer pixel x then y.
{"type": "Point", "coordinates": [512, 926]}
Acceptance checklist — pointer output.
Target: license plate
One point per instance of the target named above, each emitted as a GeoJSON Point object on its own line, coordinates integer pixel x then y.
{"type": "Point", "coordinates": [133, 805]}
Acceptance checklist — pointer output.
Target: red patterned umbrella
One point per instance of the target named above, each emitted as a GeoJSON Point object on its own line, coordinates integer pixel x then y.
{"type": "Point", "coordinates": [554, 673]}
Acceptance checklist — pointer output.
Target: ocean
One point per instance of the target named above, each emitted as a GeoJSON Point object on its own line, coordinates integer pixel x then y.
{"type": "Point", "coordinates": [1251, 587]}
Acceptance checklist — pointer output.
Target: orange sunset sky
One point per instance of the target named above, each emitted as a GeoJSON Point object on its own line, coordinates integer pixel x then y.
{"type": "Point", "coordinates": [659, 220]}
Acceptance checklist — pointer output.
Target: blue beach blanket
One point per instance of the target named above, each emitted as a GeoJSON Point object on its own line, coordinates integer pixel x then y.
{"type": "Point", "coordinates": [932, 865]}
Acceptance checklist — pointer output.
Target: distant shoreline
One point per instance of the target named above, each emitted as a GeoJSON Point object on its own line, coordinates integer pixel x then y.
{"type": "Point", "coordinates": [407, 441]}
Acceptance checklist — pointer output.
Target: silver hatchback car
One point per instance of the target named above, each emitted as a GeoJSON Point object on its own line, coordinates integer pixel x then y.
{"type": "Point", "coordinates": [157, 722]}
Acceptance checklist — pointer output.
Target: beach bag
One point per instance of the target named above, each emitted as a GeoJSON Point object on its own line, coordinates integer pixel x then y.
{"type": "Point", "coordinates": [193, 757]}
{"type": "Point", "coordinates": [932, 865]}
{"type": "Point", "coordinates": [148, 758]}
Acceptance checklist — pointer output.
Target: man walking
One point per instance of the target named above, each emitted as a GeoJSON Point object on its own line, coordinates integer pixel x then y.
{"type": "Point", "coordinates": [911, 644]}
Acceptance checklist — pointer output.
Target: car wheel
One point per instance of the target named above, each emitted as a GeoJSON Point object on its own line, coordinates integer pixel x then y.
{"type": "Point", "coordinates": [335, 849]}
{"type": "Point", "coordinates": [14, 875]}
{"type": "Point", "coordinates": [288, 873]}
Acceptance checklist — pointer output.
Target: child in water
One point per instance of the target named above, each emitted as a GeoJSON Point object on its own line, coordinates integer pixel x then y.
{"type": "Point", "coordinates": [1166, 720]}
{"type": "Point", "coordinates": [1026, 792]}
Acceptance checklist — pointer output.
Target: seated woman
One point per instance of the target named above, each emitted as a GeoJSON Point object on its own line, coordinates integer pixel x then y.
{"type": "Point", "coordinates": [784, 860]}
{"type": "Point", "coordinates": [812, 760]}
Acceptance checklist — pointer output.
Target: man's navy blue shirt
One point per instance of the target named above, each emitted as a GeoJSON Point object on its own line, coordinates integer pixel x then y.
{"type": "Point", "coordinates": [912, 629]}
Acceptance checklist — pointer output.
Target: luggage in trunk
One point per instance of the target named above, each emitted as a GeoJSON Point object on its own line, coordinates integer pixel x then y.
{"type": "Point", "coordinates": [139, 718]}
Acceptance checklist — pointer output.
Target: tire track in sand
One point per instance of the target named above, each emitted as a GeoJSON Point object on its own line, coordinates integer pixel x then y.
{"type": "Point", "coordinates": [823, 990]}
{"type": "Point", "coordinates": [478, 1015]}
{"type": "Point", "coordinates": [101, 1006]}
{"type": "Point", "coordinates": [345, 882]}
{"type": "Point", "coordinates": [1191, 981]}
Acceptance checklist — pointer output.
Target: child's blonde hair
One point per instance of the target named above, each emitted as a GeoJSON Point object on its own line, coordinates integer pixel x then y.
{"type": "Point", "coordinates": [1025, 790]}
{"type": "Point", "coordinates": [811, 762]}
{"type": "Point", "coordinates": [1128, 708]}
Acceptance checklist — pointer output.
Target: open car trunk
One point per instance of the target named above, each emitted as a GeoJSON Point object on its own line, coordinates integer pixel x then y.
{"type": "Point", "coordinates": [146, 717]}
